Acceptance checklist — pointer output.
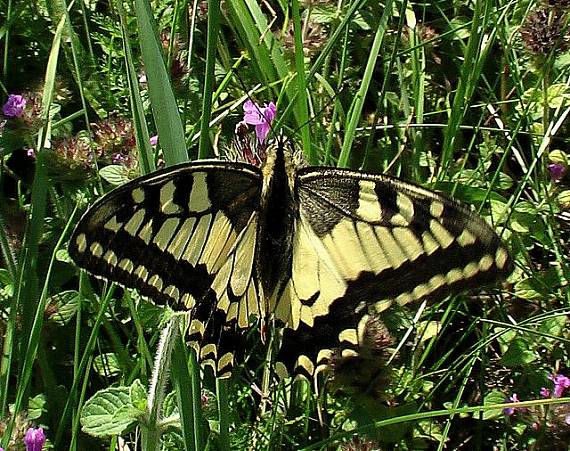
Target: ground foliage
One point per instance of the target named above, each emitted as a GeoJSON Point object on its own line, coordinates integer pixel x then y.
{"type": "Point", "coordinates": [467, 98]}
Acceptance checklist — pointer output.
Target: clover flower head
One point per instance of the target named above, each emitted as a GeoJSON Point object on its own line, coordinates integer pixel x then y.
{"type": "Point", "coordinates": [34, 439]}
{"type": "Point", "coordinates": [14, 106]}
{"type": "Point", "coordinates": [259, 116]}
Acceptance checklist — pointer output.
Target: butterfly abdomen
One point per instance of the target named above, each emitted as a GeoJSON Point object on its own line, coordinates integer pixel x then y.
{"type": "Point", "coordinates": [278, 212]}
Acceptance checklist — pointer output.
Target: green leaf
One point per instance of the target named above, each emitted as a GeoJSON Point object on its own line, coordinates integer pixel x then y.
{"type": "Point", "coordinates": [115, 174]}
{"type": "Point", "coordinates": [169, 406]}
{"type": "Point", "coordinates": [139, 394]}
{"type": "Point", "coordinates": [324, 14]}
{"type": "Point", "coordinates": [63, 256]}
{"type": "Point", "coordinates": [109, 412]}
{"type": "Point", "coordinates": [529, 289]}
{"type": "Point", "coordinates": [36, 407]}
{"type": "Point", "coordinates": [164, 106]}
{"type": "Point", "coordinates": [495, 397]}
{"type": "Point", "coordinates": [107, 364]}
{"type": "Point", "coordinates": [66, 306]}
{"type": "Point", "coordinates": [519, 353]}
{"type": "Point", "coordinates": [553, 326]}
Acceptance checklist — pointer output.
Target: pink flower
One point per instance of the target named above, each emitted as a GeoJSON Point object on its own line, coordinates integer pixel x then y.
{"type": "Point", "coordinates": [259, 116]}
{"type": "Point", "coordinates": [154, 140]}
{"type": "Point", "coordinates": [561, 383]}
{"type": "Point", "coordinates": [545, 392]}
{"type": "Point", "coordinates": [14, 106]}
{"type": "Point", "coordinates": [34, 439]}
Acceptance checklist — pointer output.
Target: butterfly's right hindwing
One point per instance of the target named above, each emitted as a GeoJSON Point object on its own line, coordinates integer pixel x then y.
{"type": "Point", "coordinates": [177, 236]}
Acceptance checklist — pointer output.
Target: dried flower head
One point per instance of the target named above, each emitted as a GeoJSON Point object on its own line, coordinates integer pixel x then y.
{"type": "Point", "coordinates": [562, 4]}
{"type": "Point", "coordinates": [114, 135]}
{"type": "Point", "coordinates": [73, 159]}
{"type": "Point", "coordinates": [314, 38]}
{"type": "Point", "coordinates": [545, 31]}
{"type": "Point", "coordinates": [178, 68]}
{"type": "Point", "coordinates": [359, 444]}
{"type": "Point", "coordinates": [246, 149]}
{"type": "Point", "coordinates": [365, 373]}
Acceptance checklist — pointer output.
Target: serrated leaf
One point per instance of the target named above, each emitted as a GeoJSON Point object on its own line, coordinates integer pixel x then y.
{"type": "Point", "coordinates": [505, 337]}
{"type": "Point", "coordinates": [528, 289]}
{"type": "Point", "coordinates": [108, 412]}
{"type": "Point", "coordinates": [522, 222]}
{"type": "Point", "coordinates": [324, 14]}
{"type": "Point", "coordinates": [505, 181]}
{"type": "Point", "coordinates": [526, 207]}
{"type": "Point", "coordinates": [114, 174]}
{"type": "Point", "coordinates": [139, 395]}
{"type": "Point", "coordinates": [553, 326]}
{"type": "Point", "coordinates": [107, 364]}
{"type": "Point", "coordinates": [36, 407]}
{"type": "Point", "coordinates": [362, 20]}
{"type": "Point", "coordinates": [494, 397]}
{"type": "Point", "coordinates": [5, 278]}
{"type": "Point", "coordinates": [519, 353]}
{"type": "Point", "coordinates": [66, 304]}
{"type": "Point", "coordinates": [428, 329]}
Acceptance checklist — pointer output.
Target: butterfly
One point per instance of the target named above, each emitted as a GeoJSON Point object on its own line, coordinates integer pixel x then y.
{"type": "Point", "coordinates": [316, 249]}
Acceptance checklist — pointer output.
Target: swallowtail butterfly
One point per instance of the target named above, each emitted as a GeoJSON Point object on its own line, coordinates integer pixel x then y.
{"type": "Point", "coordinates": [315, 248]}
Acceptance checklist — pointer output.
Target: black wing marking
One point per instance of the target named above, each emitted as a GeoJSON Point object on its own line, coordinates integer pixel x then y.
{"type": "Point", "coordinates": [183, 236]}
{"type": "Point", "coordinates": [366, 241]}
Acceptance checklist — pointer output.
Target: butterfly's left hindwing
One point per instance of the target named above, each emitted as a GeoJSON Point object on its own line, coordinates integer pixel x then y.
{"type": "Point", "coordinates": [364, 241]}
{"type": "Point", "coordinates": [183, 236]}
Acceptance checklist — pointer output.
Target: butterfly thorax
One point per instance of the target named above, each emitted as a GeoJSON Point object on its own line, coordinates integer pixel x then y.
{"type": "Point", "coordinates": [278, 210]}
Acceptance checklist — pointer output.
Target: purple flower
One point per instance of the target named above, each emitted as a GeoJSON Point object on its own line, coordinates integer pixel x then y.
{"type": "Point", "coordinates": [561, 383]}
{"type": "Point", "coordinates": [14, 106]}
{"type": "Point", "coordinates": [545, 392]}
{"type": "Point", "coordinates": [557, 171]}
{"type": "Point", "coordinates": [259, 116]}
{"type": "Point", "coordinates": [34, 439]}
{"type": "Point", "coordinates": [154, 140]}
{"type": "Point", "coordinates": [508, 411]}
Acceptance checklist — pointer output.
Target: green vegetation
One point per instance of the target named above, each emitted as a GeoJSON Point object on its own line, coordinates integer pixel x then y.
{"type": "Point", "coordinates": [468, 99]}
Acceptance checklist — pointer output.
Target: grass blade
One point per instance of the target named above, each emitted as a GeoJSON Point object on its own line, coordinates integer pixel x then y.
{"type": "Point", "coordinates": [163, 102]}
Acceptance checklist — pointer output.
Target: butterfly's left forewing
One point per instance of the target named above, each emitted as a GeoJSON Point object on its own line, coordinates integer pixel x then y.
{"type": "Point", "coordinates": [183, 236]}
{"type": "Point", "coordinates": [366, 241]}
